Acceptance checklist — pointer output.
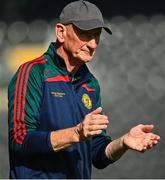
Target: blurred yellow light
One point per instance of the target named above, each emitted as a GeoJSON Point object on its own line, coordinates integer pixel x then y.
{"type": "Point", "coordinates": [23, 53]}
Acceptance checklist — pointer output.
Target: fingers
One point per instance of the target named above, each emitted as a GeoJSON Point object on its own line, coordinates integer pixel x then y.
{"type": "Point", "coordinates": [147, 143]}
{"type": "Point", "coordinates": [98, 119]}
{"type": "Point", "coordinates": [92, 133]}
{"type": "Point", "coordinates": [140, 138]}
{"type": "Point", "coordinates": [94, 123]}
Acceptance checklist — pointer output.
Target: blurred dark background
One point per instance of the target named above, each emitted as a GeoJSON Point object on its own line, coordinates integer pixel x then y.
{"type": "Point", "coordinates": [27, 10]}
{"type": "Point", "coordinates": [130, 66]}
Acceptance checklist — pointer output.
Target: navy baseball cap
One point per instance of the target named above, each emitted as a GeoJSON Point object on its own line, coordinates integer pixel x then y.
{"type": "Point", "coordinates": [84, 15]}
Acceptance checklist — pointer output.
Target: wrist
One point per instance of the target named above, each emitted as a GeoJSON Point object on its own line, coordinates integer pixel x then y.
{"type": "Point", "coordinates": [122, 142]}
{"type": "Point", "coordinates": [61, 139]}
{"type": "Point", "coordinates": [116, 148]}
{"type": "Point", "coordinates": [79, 132]}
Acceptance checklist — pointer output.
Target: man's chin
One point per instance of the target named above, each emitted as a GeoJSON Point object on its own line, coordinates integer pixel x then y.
{"type": "Point", "coordinates": [86, 59]}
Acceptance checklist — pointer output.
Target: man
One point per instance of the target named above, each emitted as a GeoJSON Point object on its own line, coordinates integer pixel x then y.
{"type": "Point", "coordinates": [56, 125]}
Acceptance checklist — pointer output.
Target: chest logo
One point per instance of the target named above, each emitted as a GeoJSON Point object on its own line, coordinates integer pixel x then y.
{"type": "Point", "coordinates": [86, 100]}
{"type": "Point", "coordinates": [58, 94]}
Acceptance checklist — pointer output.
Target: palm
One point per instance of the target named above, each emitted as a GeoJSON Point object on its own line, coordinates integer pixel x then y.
{"type": "Point", "coordinates": [141, 138]}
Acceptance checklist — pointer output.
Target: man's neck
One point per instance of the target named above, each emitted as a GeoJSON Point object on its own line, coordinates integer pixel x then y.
{"type": "Point", "coordinates": [72, 64]}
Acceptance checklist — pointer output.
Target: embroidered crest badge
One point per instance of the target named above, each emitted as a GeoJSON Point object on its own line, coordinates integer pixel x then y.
{"type": "Point", "coordinates": [87, 101]}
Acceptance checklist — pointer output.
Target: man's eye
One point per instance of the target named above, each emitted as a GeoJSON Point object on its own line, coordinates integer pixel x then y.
{"type": "Point", "coordinates": [81, 32]}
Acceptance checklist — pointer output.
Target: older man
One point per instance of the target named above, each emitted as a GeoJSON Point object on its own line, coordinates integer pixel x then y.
{"type": "Point", "coordinates": [56, 125]}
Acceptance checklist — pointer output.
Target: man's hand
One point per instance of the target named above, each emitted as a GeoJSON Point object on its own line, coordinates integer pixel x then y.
{"type": "Point", "coordinates": [140, 138]}
{"type": "Point", "coordinates": [92, 125]}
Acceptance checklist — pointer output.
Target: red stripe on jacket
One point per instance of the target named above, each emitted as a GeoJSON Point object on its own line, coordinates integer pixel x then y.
{"type": "Point", "coordinates": [87, 88]}
{"type": "Point", "coordinates": [58, 78]}
{"type": "Point", "coordinates": [20, 96]}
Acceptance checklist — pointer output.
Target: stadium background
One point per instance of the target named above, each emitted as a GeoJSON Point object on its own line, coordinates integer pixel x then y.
{"type": "Point", "coordinates": [130, 66]}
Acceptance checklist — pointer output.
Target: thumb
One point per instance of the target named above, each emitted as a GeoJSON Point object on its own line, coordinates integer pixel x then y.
{"type": "Point", "coordinates": [148, 128]}
{"type": "Point", "coordinates": [97, 111]}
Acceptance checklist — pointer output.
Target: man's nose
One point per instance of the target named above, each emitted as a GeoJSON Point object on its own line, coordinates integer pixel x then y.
{"type": "Point", "coordinates": [93, 43]}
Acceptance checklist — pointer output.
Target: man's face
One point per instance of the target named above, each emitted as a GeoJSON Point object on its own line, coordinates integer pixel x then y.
{"type": "Point", "coordinates": [80, 44]}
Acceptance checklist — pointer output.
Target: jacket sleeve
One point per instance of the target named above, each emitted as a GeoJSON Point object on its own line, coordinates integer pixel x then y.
{"type": "Point", "coordinates": [24, 100]}
{"type": "Point", "coordinates": [100, 142]}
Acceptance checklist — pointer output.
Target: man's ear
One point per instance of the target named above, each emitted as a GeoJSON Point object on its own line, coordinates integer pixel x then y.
{"type": "Point", "coordinates": [60, 30]}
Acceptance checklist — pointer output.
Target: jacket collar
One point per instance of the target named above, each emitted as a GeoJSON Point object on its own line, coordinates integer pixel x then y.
{"type": "Point", "coordinates": [82, 75]}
